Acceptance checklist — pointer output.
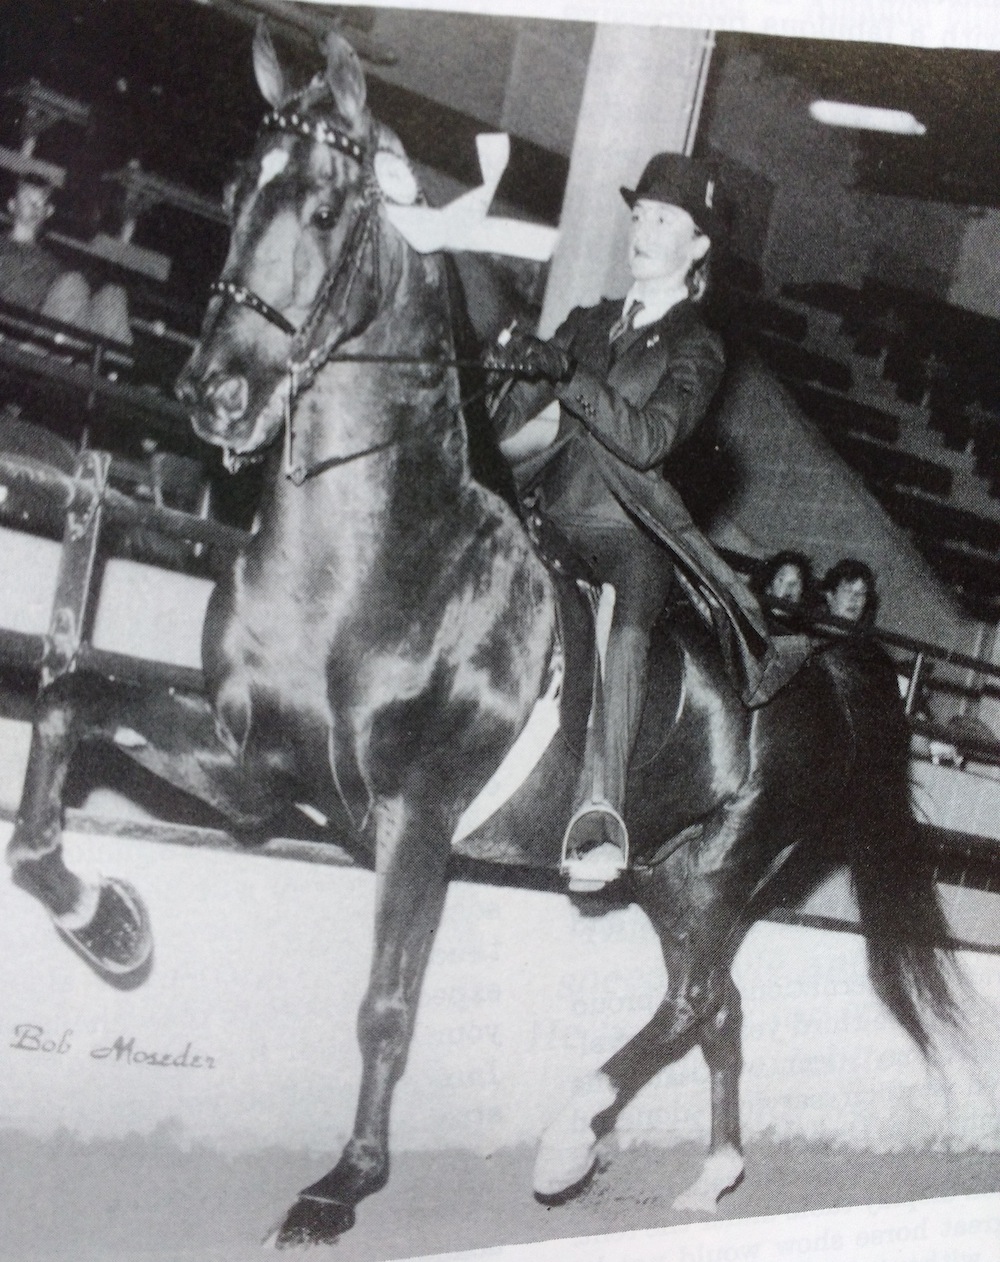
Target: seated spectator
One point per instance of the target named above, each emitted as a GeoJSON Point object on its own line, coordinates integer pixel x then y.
{"type": "Point", "coordinates": [848, 590]}
{"type": "Point", "coordinates": [783, 585]}
{"type": "Point", "coordinates": [27, 270]}
{"type": "Point", "coordinates": [32, 278]}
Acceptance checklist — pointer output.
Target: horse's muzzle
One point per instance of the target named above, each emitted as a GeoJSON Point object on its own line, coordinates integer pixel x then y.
{"type": "Point", "coordinates": [216, 405]}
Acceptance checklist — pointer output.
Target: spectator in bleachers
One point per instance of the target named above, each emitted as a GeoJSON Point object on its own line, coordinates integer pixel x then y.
{"type": "Point", "coordinates": [31, 277]}
{"type": "Point", "coordinates": [783, 584]}
{"type": "Point", "coordinates": [848, 590]}
{"type": "Point", "coordinates": [27, 269]}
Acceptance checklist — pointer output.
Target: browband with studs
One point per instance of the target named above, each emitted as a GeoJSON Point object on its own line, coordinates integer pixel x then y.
{"type": "Point", "coordinates": [316, 128]}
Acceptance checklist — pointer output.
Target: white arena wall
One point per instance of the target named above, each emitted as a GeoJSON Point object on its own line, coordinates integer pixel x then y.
{"type": "Point", "coordinates": [260, 967]}
{"type": "Point", "coordinates": [261, 963]}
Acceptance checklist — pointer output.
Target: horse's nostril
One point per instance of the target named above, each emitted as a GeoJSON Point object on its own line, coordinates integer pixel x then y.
{"type": "Point", "coordinates": [231, 396]}
{"type": "Point", "coordinates": [222, 398]}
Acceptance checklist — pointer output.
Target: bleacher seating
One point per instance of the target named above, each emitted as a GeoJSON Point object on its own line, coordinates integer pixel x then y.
{"type": "Point", "coordinates": [831, 296]}
{"type": "Point", "coordinates": [907, 389]}
{"type": "Point", "coordinates": [839, 412]}
{"type": "Point", "coordinates": [978, 573]}
{"type": "Point", "coordinates": [71, 389]}
{"type": "Point", "coordinates": [789, 360]}
{"type": "Point", "coordinates": [934, 520]}
{"type": "Point", "coordinates": [887, 466]}
{"type": "Point", "coordinates": [771, 317]}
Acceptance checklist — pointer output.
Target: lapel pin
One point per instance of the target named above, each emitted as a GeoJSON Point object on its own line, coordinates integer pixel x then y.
{"type": "Point", "coordinates": [651, 341]}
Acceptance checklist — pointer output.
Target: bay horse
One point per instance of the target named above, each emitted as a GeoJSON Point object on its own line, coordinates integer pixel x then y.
{"type": "Point", "coordinates": [381, 640]}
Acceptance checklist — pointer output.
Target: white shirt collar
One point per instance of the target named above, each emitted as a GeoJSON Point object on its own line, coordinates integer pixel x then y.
{"type": "Point", "coordinates": [654, 307]}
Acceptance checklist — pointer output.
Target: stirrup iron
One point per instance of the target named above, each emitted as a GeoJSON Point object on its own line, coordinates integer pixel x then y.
{"type": "Point", "coordinates": [601, 864]}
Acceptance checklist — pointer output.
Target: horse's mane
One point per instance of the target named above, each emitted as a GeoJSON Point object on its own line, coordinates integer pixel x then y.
{"type": "Point", "coordinates": [485, 460]}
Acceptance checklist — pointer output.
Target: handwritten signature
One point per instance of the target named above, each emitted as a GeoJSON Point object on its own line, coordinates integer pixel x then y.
{"type": "Point", "coordinates": [125, 1050]}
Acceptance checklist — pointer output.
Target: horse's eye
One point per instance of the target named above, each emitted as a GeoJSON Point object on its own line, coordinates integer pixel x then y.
{"type": "Point", "coordinates": [324, 217]}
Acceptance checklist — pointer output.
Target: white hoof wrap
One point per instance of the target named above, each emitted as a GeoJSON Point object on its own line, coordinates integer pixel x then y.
{"type": "Point", "coordinates": [722, 1171]}
{"type": "Point", "coordinates": [83, 913]}
{"type": "Point", "coordinates": [568, 1148]}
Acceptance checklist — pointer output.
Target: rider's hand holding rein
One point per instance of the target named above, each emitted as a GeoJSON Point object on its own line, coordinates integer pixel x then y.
{"type": "Point", "coordinates": [530, 358]}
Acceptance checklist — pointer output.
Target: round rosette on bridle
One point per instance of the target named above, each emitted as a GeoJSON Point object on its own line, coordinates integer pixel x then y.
{"type": "Point", "coordinates": [395, 178]}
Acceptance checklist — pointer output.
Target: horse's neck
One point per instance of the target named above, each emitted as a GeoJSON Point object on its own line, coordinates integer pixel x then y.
{"type": "Point", "coordinates": [393, 431]}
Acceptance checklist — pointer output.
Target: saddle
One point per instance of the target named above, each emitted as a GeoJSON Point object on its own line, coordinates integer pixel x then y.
{"type": "Point", "coordinates": [501, 811]}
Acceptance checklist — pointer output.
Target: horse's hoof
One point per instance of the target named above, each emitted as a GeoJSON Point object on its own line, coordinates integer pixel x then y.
{"type": "Point", "coordinates": [116, 941]}
{"type": "Point", "coordinates": [568, 1152]}
{"type": "Point", "coordinates": [311, 1221]}
{"type": "Point", "coordinates": [551, 1199]}
{"type": "Point", "coordinates": [723, 1173]}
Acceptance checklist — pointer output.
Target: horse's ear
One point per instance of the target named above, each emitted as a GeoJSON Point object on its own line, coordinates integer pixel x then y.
{"type": "Point", "coordinates": [345, 77]}
{"type": "Point", "coordinates": [267, 67]}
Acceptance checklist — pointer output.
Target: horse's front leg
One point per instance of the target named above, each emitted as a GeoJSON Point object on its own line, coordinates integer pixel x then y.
{"type": "Point", "coordinates": [172, 735]}
{"type": "Point", "coordinates": [106, 922]}
{"type": "Point", "coordinates": [412, 850]}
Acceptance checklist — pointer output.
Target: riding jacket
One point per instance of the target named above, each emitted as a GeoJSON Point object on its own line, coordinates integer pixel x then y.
{"type": "Point", "coordinates": [624, 411]}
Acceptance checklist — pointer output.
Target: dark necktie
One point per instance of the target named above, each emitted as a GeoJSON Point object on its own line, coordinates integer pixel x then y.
{"type": "Point", "coordinates": [625, 321]}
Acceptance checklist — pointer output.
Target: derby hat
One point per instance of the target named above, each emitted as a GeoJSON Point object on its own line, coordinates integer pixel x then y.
{"type": "Point", "coordinates": [679, 181]}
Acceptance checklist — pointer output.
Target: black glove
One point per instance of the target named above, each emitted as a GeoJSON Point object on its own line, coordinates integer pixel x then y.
{"type": "Point", "coordinates": [531, 358]}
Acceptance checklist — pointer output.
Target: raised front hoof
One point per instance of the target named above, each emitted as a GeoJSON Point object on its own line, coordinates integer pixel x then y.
{"type": "Point", "coordinates": [116, 941]}
{"type": "Point", "coordinates": [312, 1222]}
{"type": "Point", "coordinates": [565, 1194]}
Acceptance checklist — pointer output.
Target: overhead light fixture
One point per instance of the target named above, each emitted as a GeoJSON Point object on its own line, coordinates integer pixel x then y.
{"type": "Point", "coordinates": [866, 118]}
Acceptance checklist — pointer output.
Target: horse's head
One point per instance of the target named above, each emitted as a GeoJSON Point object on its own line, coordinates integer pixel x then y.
{"type": "Point", "coordinates": [304, 271]}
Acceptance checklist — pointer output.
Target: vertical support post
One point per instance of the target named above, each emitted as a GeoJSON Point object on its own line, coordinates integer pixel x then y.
{"type": "Point", "coordinates": [72, 602]}
{"type": "Point", "coordinates": [913, 688]}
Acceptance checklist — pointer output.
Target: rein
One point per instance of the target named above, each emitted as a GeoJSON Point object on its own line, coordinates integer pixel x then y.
{"type": "Point", "coordinates": [297, 474]}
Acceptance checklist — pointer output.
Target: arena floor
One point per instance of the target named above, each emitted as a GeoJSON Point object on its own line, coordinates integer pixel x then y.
{"type": "Point", "coordinates": [146, 1198]}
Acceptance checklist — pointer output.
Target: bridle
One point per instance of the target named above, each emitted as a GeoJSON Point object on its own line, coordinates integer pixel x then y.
{"type": "Point", "coordinates": [302, 371]}
{"type": "Point", "coordinates": [244, 297]}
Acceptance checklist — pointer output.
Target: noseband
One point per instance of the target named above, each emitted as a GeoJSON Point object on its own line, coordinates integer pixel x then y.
{"type": "Point", "coordinates": [244, 297]}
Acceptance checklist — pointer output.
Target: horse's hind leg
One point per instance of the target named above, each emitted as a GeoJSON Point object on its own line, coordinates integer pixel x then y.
{"type": "Point", "coordinates": [721, 1045]}
{"type": "Point", "coordinates": [701, 1006]}
{"type": "Point", "coordinates": [567, 1154]}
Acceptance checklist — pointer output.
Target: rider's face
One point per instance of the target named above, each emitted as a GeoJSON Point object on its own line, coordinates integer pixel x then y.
{"type": "Point", "coordinates": [663, 242]}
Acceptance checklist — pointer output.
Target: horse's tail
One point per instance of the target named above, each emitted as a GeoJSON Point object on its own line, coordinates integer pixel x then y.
{"type": "Point", "coordinates": [910, 961]}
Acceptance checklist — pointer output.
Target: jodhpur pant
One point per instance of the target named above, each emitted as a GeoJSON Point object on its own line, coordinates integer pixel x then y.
{"type": "Point", "coordinates": [639, 568]}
